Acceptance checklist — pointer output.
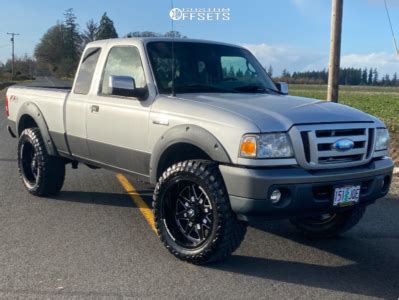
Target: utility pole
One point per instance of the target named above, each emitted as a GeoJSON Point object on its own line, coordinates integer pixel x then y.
{"type": "Point", "coordinates": [13, 34]}
{"type": "Point", "coordinates": [335, 50]}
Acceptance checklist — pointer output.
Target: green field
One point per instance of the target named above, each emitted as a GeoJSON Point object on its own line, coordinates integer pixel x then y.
{"type": "Point", "coordinates": [382, 102]}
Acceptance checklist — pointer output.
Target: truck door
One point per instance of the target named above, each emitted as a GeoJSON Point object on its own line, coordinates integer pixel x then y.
{"type": "Point", "coordinates": [75, 106]}
{"type": "Point", "coordinates": [117, 126]}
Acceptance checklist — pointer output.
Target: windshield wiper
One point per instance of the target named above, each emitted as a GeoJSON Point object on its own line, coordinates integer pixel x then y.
{"type": "Point", "coordinates": [255, 89]}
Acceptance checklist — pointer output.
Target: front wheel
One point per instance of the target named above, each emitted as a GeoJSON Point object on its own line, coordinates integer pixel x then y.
{"type": "Point", "coordinates": [41, 174]}
{"type": "Point", "coordinates": [192, 212]}
{"type": "Point", "coordinates": [330, 224]}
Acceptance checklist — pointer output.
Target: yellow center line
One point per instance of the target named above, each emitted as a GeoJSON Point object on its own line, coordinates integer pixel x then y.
{"type": "Point", "coordinates": [145, 210]}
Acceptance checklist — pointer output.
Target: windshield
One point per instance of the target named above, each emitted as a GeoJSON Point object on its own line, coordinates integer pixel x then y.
{"type": "Point", "coordinates": [207, 68]}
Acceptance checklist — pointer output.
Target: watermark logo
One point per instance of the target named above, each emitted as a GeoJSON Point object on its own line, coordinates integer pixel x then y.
{"type": "Point", "coordinates": [200, 14]}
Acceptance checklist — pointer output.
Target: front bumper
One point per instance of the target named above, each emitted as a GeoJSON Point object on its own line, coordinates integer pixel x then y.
{"type": "Point", "coordinates": [305, 192]}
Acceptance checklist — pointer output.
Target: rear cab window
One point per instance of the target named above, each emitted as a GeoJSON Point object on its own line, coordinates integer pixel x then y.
{"type": "Point", "coordinates": [86, 71]}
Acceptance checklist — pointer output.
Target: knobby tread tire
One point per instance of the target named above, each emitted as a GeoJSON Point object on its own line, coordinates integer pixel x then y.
{"type": "Point", "coordinates": [229, 231]}
{"type": "Point", "coordinates": [341, 223]}
{"type": "Point", "coordinates": [52, 169]}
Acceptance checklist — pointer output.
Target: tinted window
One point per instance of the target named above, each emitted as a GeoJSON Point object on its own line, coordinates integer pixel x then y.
{"type": "Point", "coordinates": [123, 61]}
{"type": "Point", "coordinates": [86, 71]}
{"type": "Point", "coordinates": [207, 68]}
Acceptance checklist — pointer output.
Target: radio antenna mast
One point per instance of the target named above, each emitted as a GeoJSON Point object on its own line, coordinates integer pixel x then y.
{"type": "Point", "coordinates": [173, 49]}
{"type": "Point", "coordinates": [390, 24]}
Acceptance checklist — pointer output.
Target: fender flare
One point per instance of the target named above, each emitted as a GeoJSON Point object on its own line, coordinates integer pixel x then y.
{"type": "Point", "coordinates": [32, 110]}
{"type": "Point", "coordinates": [188, 134]}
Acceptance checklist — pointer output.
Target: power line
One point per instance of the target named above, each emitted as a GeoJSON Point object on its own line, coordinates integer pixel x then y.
{"type": "Point", "coordinates": [390, 24]}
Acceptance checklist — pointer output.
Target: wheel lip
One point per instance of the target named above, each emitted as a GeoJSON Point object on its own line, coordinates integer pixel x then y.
{"type": "Point", "coordinates": [163, 228]}
{"type": "Point", "coordinates": [29, 183]}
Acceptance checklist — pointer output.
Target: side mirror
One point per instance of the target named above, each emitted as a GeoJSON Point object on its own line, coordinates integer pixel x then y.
{"type": "Point", "coordinates": [122, 86]}
{"type": "Point", "coordinates": [282, 87]}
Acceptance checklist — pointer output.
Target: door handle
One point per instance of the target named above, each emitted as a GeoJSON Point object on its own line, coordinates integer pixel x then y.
{"type": "Point", "coordinates": [94, 108]}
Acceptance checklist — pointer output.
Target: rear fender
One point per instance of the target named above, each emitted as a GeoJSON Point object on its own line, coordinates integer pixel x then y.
{"type": "Point", "coordinates": [32, 110]}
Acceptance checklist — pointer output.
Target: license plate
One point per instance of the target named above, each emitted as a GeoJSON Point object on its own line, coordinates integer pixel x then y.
{"type": "Point", "coordinates": [346, 195]}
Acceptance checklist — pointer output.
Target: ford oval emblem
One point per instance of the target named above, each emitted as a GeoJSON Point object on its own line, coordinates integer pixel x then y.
{"type": "Point", "coordinates": [343, 145]}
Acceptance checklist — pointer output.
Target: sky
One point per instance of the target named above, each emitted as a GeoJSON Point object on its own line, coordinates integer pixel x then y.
{"type": "Point", "coordinates": [288, 34]}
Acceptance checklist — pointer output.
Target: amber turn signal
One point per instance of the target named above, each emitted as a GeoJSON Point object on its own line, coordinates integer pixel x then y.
{"type": "Point", "coordinates": [248, 146]}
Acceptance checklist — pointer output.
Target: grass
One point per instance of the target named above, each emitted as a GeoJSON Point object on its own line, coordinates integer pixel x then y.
{"type": "Point", "coordinates": [382, 102]}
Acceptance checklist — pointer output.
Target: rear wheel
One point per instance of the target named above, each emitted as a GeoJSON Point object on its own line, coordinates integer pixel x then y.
{"type": "Point", "coordinates": [329, 225]}
{"type": "Point", "coordinates": [193, 214]}
{"type": "Point", "coordinates": [41, 174]}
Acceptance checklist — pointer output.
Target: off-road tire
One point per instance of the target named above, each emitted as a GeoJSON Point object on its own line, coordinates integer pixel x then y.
{"type": "Point", "coordinates": [227, 233]}
{"type": "Point", "coordinates": [340, 223]}
{"type": "Point", "coordinates": [50, 169]}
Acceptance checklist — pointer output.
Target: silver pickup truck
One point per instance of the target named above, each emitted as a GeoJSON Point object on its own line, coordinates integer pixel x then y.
{"type": "Point", "coordinates": [220, 141]}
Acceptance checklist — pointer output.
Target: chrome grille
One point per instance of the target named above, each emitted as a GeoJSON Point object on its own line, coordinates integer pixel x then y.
{"type": "Point", "coordinates": [316, 144]}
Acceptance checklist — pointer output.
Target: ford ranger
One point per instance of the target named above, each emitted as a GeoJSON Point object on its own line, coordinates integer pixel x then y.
{"type": "Point", "coordinates": [220, 141]}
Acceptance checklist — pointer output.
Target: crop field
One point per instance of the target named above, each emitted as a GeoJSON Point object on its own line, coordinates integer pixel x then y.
{"type": "Point", "coordinates": [382, 102]}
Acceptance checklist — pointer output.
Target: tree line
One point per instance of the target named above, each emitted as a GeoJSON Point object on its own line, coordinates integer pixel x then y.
{"type": "Point", "coordinates": [60, 48]}
{"type": "Point", "coordinates": [348, 76]}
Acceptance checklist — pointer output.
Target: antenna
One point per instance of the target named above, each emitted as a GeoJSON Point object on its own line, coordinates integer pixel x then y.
{"type": "Point", "coordinates": [173, 51]}
{"type": "Point", "coordinates": [390, 24]}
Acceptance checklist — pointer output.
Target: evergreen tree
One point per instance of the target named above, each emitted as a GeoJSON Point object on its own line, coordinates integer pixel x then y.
{"type": "Point", "coordinates": [239, 73]}
{"type": "Point", "coordinates": [270, 71]}
{"type": "Point", "coordinates": [224, 70]}
{"type": "Point", "coordinates": [174, 34]}
{"type": "Point", "coordinates": [370, 77]}
{"type": "Point", "coordinates": [89, 34]}
{"type": "Point", "coordinates": [106, 30]}
{"type": "Point", "coordinates": [72, 44]}
{"type": "Point", "coordinates": [286, 74]}
{"type": "Point", "coordinates": [143, 34]}
{"type": "Point", "coordinates": [395, 81]}
{"type": "Point", "coordinates": [170, 34]}
{"type": "Point", "coordinates": [386, 80]}
{"type": "Point", "coordinates": [364, 77]}
{"type": "Point", "coordinates": [375, 77]}
{"type": "Point", "coordinates": [231, 73]}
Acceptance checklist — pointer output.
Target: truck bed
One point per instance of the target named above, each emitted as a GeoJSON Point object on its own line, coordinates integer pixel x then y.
{"type": "Point", "coordinates": [49, 100]}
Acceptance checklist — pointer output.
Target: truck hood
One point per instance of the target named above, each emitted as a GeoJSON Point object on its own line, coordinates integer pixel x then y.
{"type": "Point", "coordinates": [279, 113]}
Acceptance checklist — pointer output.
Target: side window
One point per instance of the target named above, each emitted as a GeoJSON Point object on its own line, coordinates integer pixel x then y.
{"type": "Point", "coordinates": [86, 71]}
{"type": "Point", "coordinates": [236, 67]}
{"type": "Point", "coordinates": [123, 61]}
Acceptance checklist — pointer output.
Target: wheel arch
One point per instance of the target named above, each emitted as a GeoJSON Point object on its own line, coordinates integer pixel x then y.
{"type": "Point", "coordinates": [29, 115]}
{"type": "Point", "coordinates": [185, 142]}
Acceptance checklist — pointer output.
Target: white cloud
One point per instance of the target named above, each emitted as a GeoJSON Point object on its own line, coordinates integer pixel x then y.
{"type": "Point", "coordinates": [300, 59]}
{"type": "Point", "coordinates": [286, 57]}
{"type": "Point", "coordinates": [384, 62]}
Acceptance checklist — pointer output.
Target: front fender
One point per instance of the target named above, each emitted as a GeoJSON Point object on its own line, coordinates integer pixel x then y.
{"type": "Point", "coordinates": [189, 134]}
{"type": "Point", "coordinates": [32, 110]}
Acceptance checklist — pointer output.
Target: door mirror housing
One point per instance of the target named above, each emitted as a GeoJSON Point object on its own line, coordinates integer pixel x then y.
{"type": "Point", "coordinates": [122, 86]}
{"type": "Point", "coordinates": [282, 87]}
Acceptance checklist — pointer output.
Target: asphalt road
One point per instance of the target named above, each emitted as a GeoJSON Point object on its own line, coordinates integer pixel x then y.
{"type": "Point", "coordinates": [92, 242]}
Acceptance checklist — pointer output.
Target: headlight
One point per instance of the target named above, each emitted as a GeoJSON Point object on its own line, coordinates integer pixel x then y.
{"type": "Point", "coordinates": [271, 145]}
{"type": "Point", "coordinates": [382, 139]}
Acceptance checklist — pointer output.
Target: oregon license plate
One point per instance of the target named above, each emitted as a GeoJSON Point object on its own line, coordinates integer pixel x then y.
{"type": "Point", "coordinates": [346, 195]}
